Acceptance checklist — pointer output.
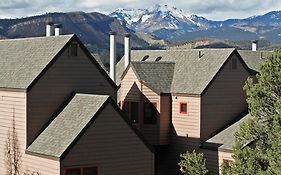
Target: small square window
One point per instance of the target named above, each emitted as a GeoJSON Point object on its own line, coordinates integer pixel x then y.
{"type": "Point", "coordinates": [183, 108]}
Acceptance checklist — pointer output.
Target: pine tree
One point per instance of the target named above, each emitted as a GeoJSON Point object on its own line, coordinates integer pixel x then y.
{"type": "Point", "coordinates": [192, 163]}
{"type": "Point", "coordinates": [257, 147]}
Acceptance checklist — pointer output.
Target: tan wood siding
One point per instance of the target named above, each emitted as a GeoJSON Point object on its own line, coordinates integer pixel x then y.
{"type": "Point", "coordinates": [41, 165]}
{"type": "Point", "coordinates": [224, 99]}
{"type": "Point", "coordinates": [215, 159]}
{"type": "Point", "coordinates": [67, 74]}
{"type": "Point", "coordinates": [112, 146]}
{"type": "Point", "coordinates": [165, 119]}
{"type": "Point", "coordinates": [13, 108]}
{"type": "Point", "coordinates": [133, 90]}
{"type": "Point", "coordinates": [186, 127]}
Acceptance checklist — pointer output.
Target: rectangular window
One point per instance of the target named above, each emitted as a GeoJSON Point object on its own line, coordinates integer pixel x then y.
{"type": "Point", "coordinates": [150, 113]}
{"type": "Point", "coordinates": [132, 110]}
{"type": "Point", "coordinates": [90, 171]}
{"type": "Point", "coordinates": [125, 107]}
{"type": "Point", "coordinates": [183, 107]}
{"type": "Point", "coordinates": [82, 171]}
{"type": "Point", "coordinates": [134, 115]}
{"type": "Point", "coordinates": [73, 50]}
{"type": "Point", "coordinates": [73, 171]}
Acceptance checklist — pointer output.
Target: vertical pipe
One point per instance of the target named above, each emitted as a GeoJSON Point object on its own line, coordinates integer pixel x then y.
{"type": "Point", "coordinates": [254, 45]}
{"type": "Point", "coordinates": [49, 27]}
{"type": "Point", "coordinates": [127, 50]}
{"type": "Point", "coordinates": [112, 71]}
{"type": "Point", "coordinates": [58, 29]}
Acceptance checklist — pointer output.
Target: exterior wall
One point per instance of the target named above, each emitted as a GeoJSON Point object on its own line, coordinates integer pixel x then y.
{"type": "Point", "coordinates": [186, 127]}
{"type": "Point", "coordinates": [224, 99]}
{"type": "Point", "coordinates": [112, 146]}
{"type": "Point", "coordinates": [134, 91]}
{"type": "Point", "coordinates": [41, 165]}
{"type": "Point", "coordinates": [165, 119]}
{"type": "Point", "coordinates": [13, 111]}
{"type": "Point", "coordinates": [67, 74]}
{"type": "Point", "coordinates": [215, 159]}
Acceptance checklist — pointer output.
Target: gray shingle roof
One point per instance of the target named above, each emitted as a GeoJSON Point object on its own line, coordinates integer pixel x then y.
{"type": "Point", "coordinates": [226, 138]}
{"type": "Point", "coordinates": [191, 74]}
{"type": "Point", "coordinates": [22, 60]}
{"type": "Point", "coordinates": [58, 136]}
{"type": "Point", "coordinates": [156, 75]}
{"type": "Point", "coordinates": [253, 59]}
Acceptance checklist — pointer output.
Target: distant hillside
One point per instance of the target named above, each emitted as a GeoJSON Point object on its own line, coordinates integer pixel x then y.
{"type": "Point", "coordinates": [91, 28]}
{"type": "Point", "coordinates": [217, 43]}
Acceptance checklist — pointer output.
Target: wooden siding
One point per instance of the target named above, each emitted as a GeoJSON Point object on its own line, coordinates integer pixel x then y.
{"type": "Point", "coordinates": [165, 119]}
{"type": "Point", "coordinates": [112, 146]}
{"type": "Point", "coordinates": [224, 99]}
{"type": "Point", "coordinates": [41, 165]}
{"type": "Point", "coordinates": [66, 75]}
{"type": "Point", "coordinates": [185, 127]}
{"type": "Point", "coordinates": [133, 90]}
{"type": "Point", "coordinates": [214, 160]}
{"type": "Point", "coordinates": [13, 110]}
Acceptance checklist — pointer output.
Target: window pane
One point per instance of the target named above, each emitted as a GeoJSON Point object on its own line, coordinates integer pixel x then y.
{"type": "Point", "coordinates": [90, 171]}
{"type": "Point", "coordinates": [74, 171]}
{"type": "Point", "coordinates": [150, 113]}
{"type": "Point", "coordinates": [134, 112]}
{"type": "Point", "coordinates": [126, 108]}
{"type": "Point", "coordinates": [183, 108]}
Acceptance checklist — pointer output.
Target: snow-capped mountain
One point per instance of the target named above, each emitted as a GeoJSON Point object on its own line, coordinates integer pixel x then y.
{"type": "Point", "coordinates": [158, 17]}
{"type": "Point", "coordinates": [173, 24]}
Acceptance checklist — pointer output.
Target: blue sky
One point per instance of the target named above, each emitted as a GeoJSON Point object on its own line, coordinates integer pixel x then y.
{"type": "Point", "coordinates": [211, 9]}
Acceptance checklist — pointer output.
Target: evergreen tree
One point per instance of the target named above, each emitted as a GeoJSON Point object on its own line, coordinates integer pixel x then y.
{"type": "Point", "coordinates": [257, 147]}
{"type": "Point", "coordinates": [192, 163]}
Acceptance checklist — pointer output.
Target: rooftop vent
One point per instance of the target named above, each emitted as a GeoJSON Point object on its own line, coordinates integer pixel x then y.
{"type": "Point", "coordinates": [158, 58]}
{"type": "Point", "coordinates": [145, 58]}
{"type": "Point", "coordinates": [200, 54]}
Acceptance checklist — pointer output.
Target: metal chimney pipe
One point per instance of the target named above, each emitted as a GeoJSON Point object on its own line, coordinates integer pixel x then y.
{"type": "Point", "coordinates": [49, 29]}
{"type": "Point", "coordinates": [112, 71]}
{"type": "Point", "coordinates": [58, 29]}
{"type": "Point", "coordinates": [127, 50]}
{"type": "Point", "coordinates": [254, 45]}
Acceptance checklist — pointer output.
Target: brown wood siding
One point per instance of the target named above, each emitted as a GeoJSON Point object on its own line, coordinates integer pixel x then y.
{"type": "Point", "coordinates": [185, 127]}
{"type": "Point", "coordinates": [13, 107]}
{"type": "Point", "coordinates": [67, 74]}
{"type": "Point", "coordinates": [112, 146]}
{"type": "Point", "coordinates": [133, 90]}
{"type": "Point", "coordinates": [224, 99]}
{"type": "Point", "coordinates": [165, 119]}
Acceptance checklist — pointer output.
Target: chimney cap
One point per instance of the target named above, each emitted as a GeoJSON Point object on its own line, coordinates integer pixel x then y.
{"type": "Point", "coordinates": [112, 33]}
{"type": "Point", "coordinates": [58, 26]}
{"type": "Point", "coordinates": [50, 23]}
{"type": "Point", "coordinates": [127, 35]}
{"type": "Point", "coordinates": [255, 41]}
